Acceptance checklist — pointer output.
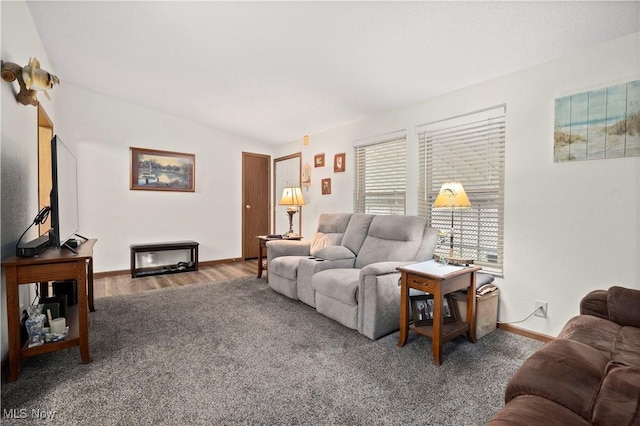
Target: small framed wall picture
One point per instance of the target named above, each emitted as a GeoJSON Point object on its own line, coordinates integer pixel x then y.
{"type": "Point", "coordinates": [422, 308]}
{"type": "Point", "coordinates": [338, 163]}
{"type": "Point", "coordinates": [326, 186]}
{"type": "Point", "coordinates": [318, 160]}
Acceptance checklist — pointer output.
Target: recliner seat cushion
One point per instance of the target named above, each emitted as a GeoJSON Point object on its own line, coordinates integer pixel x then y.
{"type": "Point", "coordinates": [339, 284]}
{"type": "Point", "coordinates": [285, 266]}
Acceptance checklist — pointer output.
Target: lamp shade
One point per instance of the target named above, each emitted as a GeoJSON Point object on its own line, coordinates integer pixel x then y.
{"type": "Point", "coordinates": [291, 196]}
{"type": "Point", "coordinates": [452, 195]}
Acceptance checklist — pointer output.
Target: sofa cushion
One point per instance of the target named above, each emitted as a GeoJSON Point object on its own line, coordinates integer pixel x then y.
{"type": "Point", "coordinates": [357, 231]}
{"type": "Point", "coordinates": [285, 266]}
{"type": "Point", "coordinates": [623, 306]}
{"type": "Point", "coordinates": [340, 284]}
{"type": "Point", "coordinates": [564, 371]}
{"type": "Point", "coordinates": [331, 227]}
{"type": "Point", "coordinates": [598, 333]}
{"type": "Point", "coordinates": [618, 402]}
{"type": "Point", "coordinates": [334, 253]}
{"type": "Point", "coordinates": [627, 348]}
{"type": "Point", "coordinates": [535, 410]}
{"type": "Point", "coordinates": [391, 237]}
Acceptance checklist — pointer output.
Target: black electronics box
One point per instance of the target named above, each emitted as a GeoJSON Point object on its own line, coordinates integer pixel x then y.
{"type": "Point", "coordinates": [33, 247]}
{"type": "Point", "coordinates": [66, 288]}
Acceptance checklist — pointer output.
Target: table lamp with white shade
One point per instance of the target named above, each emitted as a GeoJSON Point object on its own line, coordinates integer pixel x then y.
{"type": "Point", "coordinates": [291, 197]}
{"type": "Point", "coordinates": [452, 195]}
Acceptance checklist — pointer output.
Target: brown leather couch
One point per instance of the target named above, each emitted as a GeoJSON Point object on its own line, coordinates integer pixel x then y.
{"type": "Point", "coordinates": [588, 375]}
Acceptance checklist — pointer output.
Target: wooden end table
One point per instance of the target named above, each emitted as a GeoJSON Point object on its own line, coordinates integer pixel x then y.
{"type": "Point", "coordinates": [262, 240]}
{"type": "Point", "coordinates": [438, 280]}
{"type": "Point", "coordinates": [51, 265]}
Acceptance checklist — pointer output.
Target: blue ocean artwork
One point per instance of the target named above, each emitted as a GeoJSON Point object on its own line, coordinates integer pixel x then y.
{"type": "Point", "coordinates": [603, 123]}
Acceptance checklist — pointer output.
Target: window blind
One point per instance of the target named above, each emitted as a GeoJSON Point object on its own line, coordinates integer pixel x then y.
{"type": "Point", "coordinates": [381, 175]}
{"type": "Point", "coordinates": [469, 149]}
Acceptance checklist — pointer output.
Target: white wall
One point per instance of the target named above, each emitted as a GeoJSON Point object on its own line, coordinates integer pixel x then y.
{"type": "Point", "coordinates": [19, 141]}
{"type": "Point", "coordinates": [569, 227]}
{"type": "Point", "coordinates": [100, 131]}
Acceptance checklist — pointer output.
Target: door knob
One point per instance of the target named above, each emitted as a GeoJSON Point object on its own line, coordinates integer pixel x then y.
{"type": "Point", "coordinates": [247, 207]}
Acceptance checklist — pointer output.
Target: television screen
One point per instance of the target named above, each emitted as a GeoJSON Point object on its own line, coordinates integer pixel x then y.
{"type": "Point", "coordinates": [64, 194]}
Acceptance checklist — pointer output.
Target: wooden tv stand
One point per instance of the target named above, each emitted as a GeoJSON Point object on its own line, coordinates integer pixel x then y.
{"type": "Point", "coordinates": [53, 264]}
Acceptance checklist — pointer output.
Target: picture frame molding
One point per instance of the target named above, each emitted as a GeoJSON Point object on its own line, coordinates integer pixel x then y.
{"type": "Point", "coordinates": [318, 160]}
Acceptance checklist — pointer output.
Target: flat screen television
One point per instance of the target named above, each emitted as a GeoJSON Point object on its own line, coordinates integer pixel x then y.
{"type": "Point", "coordinates": [64, 194]}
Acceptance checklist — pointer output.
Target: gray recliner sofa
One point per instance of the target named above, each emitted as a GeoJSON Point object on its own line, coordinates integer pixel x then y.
{"type": "Point", "coordinates": [348, 269]}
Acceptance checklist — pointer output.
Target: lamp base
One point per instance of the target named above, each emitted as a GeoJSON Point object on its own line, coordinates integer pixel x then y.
{"type": "Point", "coordinates": [290, 212]}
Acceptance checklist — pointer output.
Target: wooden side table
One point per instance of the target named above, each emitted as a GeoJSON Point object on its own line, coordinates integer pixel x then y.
{"type": "Point", "coordinates": [438, 280]}
{"type": "Point", "coordinates": [51, 265]}
{"type": "Point", "coordinates": [262, 240]}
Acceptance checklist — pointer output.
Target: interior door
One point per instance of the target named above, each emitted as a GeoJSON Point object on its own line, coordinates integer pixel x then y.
{"type": "Point", "coordinates": [256, 202]}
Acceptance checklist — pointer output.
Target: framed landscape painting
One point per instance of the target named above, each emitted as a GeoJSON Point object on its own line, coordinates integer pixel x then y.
{"type": "Point", "coordinates": [156, 170]}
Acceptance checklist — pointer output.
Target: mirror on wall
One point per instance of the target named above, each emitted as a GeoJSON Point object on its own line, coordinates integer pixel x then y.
{"type": "Point", "coordinates": [286, 173]}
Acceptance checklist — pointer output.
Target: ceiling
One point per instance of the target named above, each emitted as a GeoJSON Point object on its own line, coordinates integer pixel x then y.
{"type": "Point", "coordinates": [275, 71]}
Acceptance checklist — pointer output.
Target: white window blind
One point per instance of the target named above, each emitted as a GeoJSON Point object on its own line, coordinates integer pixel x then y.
{"type": "Point", "coordinates": [381, 175]}
{"type": "Point", "coordinates": [469, 149]}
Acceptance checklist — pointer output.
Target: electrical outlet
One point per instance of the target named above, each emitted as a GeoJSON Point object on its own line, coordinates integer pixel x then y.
{"type": "Point", "coordinates": [541, 308]}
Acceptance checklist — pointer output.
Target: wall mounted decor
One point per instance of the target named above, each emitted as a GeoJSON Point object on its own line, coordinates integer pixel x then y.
{"type": "Point", "coordinates": [31, 79]}
{"type": "Point", "coordinates": [326, 186]}
{"type": "Point", "coordinates": [338, 163]}
{"type": "Point", "coordinates": [603, 123]}
{"type": "Point", "coordinates": [156, 170]}
{"type": "Point", "coordinates": [306, 175]}
{"type": "Point", "coordinates": [318, 160]}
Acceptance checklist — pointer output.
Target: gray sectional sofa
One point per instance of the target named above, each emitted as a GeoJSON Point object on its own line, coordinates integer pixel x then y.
{"type": "Point", "coordinates": [347, 271]}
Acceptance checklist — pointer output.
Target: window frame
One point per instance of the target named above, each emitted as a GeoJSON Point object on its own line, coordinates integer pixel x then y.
{"type": "Point", "coordinates": [468, 148]}
{"type": "Point", "coordinates": [379, 188]}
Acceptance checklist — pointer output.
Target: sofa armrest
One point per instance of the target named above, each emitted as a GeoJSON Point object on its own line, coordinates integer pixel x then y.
{"type": "Point", "coordinates": [277, 248]}
{"type": "Point", "coordinates": [381, 268]}
{"type": "Point", "coordinates": [595, 304]}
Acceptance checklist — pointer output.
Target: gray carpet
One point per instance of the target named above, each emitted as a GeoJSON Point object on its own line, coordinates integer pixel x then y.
{"type": "Point", "coordinates": [237, 352]}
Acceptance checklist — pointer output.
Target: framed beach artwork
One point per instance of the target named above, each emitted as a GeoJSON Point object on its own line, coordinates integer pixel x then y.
{"type": "Point", "coordinates": [603, 123]}
{"type": "Point", "coordinates": [156, 170]}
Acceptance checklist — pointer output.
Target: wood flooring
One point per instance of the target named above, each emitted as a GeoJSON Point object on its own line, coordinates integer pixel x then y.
{"type": "Point", "coordinates": [124, 284]}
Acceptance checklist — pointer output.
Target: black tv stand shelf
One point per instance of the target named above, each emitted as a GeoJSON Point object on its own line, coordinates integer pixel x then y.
{"type": "Point", "coordinates": [192, 246]}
